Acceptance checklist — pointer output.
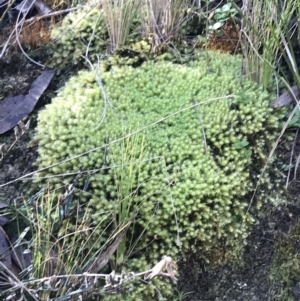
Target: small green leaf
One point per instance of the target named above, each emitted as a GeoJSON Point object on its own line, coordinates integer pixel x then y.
{"type": "Point", "coordinates": [220, 33]}
{"type": "Point", "coordinates": [247, 153]}
{"type": "Point", "coordinates": [295, 121]}
{"type": "Point", "coordinates": [286, 167]}
{"type": "Point", "coordinates": [217, 25]}
{"type": "Point", "coordinates": [240, 144]}
{"type": "Point", "coordinates": [202, 39]}
{"type": "Point", "coordinates": [226, 7]}
{"type": "Point", "coordinates": [220, 16]}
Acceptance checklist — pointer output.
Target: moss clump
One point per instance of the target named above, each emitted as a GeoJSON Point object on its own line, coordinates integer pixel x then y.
{"type": "Point", "coordinates": [87, 29]}
{"type": "Point", "coordinates": [78, 31]}
{"type": "Point", "coordinates": [184, 185]}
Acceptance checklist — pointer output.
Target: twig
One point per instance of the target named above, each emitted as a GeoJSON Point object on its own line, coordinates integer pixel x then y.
{"type": "Point", "coordinates": [56, 13]}
{"type": "Point", "coordinates": [166, 267]}
{"type": "Point", "coordinates": [6, 44]}
{"type": "Point", "coordinates": [33, 19]}
{"type": "Point", "coordinates": [9, 5]}
{"type": "Point", "coordinates": [296, 166]}
{"type": "Point", "coordinates": [201, 124]}
{"type": "Point", "coordinates": [91, 38]}
{"type": "Point", "coordinates": [19, 26]}
{"type": "Point", "coordinates": [100, 83]}
{"type": "Point", "coordinates": [291, 159]}
{"type": "Point", "coordinates": [20, 283]}
{"type": "Point", "coordinates": [25, 54]}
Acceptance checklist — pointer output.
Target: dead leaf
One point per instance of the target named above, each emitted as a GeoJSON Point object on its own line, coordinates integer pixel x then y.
{"type": "Point", "coordinates": [156, 270]}
{"type": "Point", "coordinates": [5, 256]}
{"type": "Point", "coordinates": [3, 220]}
{"type": "Point", "coordinates": [286, 98]}
{"type": "Point", "coordinates": [41, 7]}
{"type": "Point", "coordinates": [26, 5]}
{"type": "Point", "coordinates": [17, 132]}
{"type": "Point", "coordinates": [3, 150]}
{"type": "Point", "coordinates": [15, 108]}
{"type": "Point", "coordinates": [166, 263]}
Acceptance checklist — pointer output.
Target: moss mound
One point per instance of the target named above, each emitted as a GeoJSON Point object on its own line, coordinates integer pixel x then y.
{"type": "Point", "coordinates": [78, 31]}
{"type": "Point", "coordinates": [186, 169]}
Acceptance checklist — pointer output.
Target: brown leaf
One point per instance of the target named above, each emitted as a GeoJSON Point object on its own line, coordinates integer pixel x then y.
{"type": "Point", "coordinates": [172, 270]}
{"type": "Point", "coordinates": [41, 7]}
{"type": "Point", "coordinates": [5, 256]}
{"type": "Point", "coordinates": [17, 132]}
{"type": "Point", "coordinates": [156, 270]}
{"type": "Point", "coordinates": [26, 5]}
{"type": "Point", "coordinates": [165, 264]}
{"type": "Point", "coordinates": [14, 108]}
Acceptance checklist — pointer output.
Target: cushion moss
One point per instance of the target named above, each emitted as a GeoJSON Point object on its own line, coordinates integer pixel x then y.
{"type": "Point", "coordinates": [187, 169]}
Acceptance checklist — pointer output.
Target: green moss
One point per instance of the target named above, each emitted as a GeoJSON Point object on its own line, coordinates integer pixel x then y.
{"type": "Point", "coordinates": [87, 29]}
{"type": "Point", "coordinates": [178, 181]}
{"type": "Point", "coordinates": [78, 31]}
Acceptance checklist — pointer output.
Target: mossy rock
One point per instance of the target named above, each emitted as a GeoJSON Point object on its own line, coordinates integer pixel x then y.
{"type": "Point", "coordinates": [179, 145]}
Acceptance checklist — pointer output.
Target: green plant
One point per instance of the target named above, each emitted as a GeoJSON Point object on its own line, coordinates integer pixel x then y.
{"type": "Point", "coordinates": [50, 273]}
{"type": "Point", "coordinates": [181, 295]}
{"type": "Point", "coordinates": [266, 38]}
{"type": "Point", "coordinates": [162, 20]}
{"type": "Point", "coordinates": [295, 121]}
{"type": "Point", "coordinates": [64, 268]}
{"type": "Point", "coordinates": [119, 16]}
{"type": "Point", "coordinates": [54, 237]}
{"type": "Point", "coordinates": [81, 32]}
{"type": "Point", "coordinates": [125, 189]}
{"type": "Point", "coordinates": [221, 15]}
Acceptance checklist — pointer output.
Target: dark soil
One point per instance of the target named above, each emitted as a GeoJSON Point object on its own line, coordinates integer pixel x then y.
{"type": "Point", "coordinates": [252, 280]}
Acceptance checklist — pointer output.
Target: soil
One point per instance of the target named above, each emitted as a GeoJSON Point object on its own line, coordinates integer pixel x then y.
{"type": "Point", "coordinates": [266, 271]}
